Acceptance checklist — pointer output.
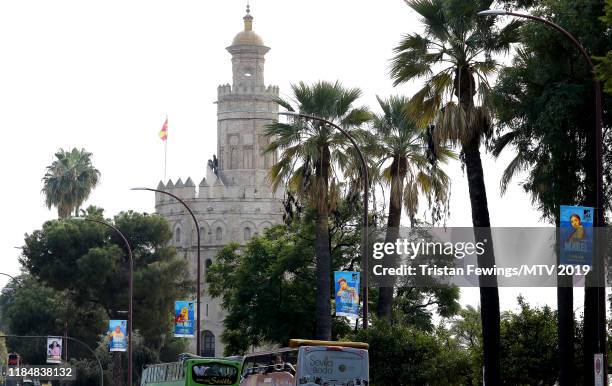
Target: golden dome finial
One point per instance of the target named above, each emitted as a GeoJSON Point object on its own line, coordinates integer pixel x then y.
{"type": "Point", "coordinates": [247, 37]}
{"type": "Point", "coordinates": [248, 19]}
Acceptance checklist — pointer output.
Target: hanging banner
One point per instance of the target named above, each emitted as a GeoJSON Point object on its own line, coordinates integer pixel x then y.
{"type": "Point", "coordinates": [117, 334]}
{"type": "Point", "coordinates": [347, 294]}
{"type": "Point", "coordinates": [184, 319]}
{"type": "Point", "coordinates": [54, 349]}
{"type": "Point", "coordinates": [576, 232]}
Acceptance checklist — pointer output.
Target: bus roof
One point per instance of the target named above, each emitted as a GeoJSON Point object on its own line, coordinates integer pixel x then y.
{"type": "Point", "coordinates": [216, 360]}
{"type": "Point", "coordinates": [309, 342]}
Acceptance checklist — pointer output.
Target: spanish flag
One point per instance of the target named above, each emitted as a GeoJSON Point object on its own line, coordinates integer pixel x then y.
{"type": "Point", "coordinates": [163, 133]}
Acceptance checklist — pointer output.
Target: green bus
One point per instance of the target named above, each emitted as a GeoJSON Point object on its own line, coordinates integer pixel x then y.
{"type": "Point", "coordinates": [192, 370]}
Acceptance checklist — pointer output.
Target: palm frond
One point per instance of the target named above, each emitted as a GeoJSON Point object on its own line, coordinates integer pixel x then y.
{"type": "Point", "coordinates": [515, 166]}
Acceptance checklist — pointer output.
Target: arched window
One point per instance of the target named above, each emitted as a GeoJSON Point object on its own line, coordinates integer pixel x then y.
{"type": "Point", "coordinates": [208, 344]}
{"type": "Point", "coordinates": [219, 234]}
{"type": "Point", "coordinates": [177, 235]}
{"type": "Point", "coordinates": [247, 233]}
{"type": "Point", "coordinates": [207, 264]}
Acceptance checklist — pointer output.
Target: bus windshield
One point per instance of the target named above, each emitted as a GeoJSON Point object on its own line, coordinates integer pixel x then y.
{"type": "Point", "coordinates": [214, 373]}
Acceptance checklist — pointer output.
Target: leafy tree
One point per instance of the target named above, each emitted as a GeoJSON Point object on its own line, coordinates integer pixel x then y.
{"type": "Point", "coordinates": [416, 306]}
{"type": "Point", "coordinates": [3, 354]}
{"type": "Point", "coordinates": [529, 342]}
{"type": "Point", "coordinates": [468, 332]}
{"type": "Point", "coordinates": [266, 289]}
{"type": "Point", "coordinates": [408, 159]}
{"type": "Point", "coordinates": [31, 308]}
{"type": "Point", "coordinates": [402, 355]}
{"type": "Point", "coordinates": [89, 262]}
{"type": "Point", "coordinates": [454, 56]}
{"type": "Point", "coordinates": [604, 66]}
{"type": "Point", "coordinates": [545, 112]}
{"type": "Point", "coordinates": [310, 154]}
{"type": "Point", "coordinates": [69, 180]}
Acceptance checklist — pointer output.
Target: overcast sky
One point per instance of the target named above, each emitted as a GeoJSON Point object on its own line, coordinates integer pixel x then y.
{"type": "Point", "coordinates": [102, 75]}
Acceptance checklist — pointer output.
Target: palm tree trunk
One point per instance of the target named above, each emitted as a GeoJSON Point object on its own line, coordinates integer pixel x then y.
{"type": "Point", "coordinates": [323, 270]}
{"type": "Point", "coordinates": [385, 295]}
{"type": "Point", "coordinates": [63, 211]}
{"type": "Point", "coordinates": [489, 296]}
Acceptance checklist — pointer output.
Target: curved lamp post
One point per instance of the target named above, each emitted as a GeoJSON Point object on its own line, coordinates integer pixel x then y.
{"type": "Point", "coordinates": [199, 269]}
{"type": "Point", "coordinates": [67, 337]}
{"type": "Point", "coordinates": [6, 274]}
{"type": "Point", "coordinates": [130, 289]}
{"type": "Point", "coordinates": [364, 239]}
{"type": "Point", "coordinates": [599, 213]}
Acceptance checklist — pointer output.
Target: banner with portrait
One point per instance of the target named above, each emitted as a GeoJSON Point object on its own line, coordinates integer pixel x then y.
{"type": "Point", "coordinates": [184, 319]}
{"type": "Point", "coordinates": [576, 235]}
{"type": "Point", "coordinates": [54, 349]}
{"type": "Point", "coordinates": [117, 333]}
{"type": "Point", "coordinates": [347, 294]}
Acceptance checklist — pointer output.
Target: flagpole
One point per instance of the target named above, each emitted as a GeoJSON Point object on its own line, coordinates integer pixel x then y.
{"type": "Point", "coordinates": [166, 150]}
{"type": "Point", "coordinates": [165, 157]}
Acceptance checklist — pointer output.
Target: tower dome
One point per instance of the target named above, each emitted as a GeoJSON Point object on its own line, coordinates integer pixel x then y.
{"type": "Point", "coordinates": [247, 37]}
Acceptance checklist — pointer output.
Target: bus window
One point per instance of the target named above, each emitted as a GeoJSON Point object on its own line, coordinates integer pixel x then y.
{"type": "Point", "coordinates": [275, 368]}
{"type": "Point", "coordinates": [214, 373]}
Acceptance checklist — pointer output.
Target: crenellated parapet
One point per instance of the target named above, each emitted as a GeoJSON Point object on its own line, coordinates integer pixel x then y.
{"type": "Point", "coordinates": [212, 191]}
{"type": "Point", "coordinates": [226, 91]}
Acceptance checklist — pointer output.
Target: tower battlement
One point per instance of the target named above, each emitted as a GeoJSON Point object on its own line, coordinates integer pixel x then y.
{"type": "Point", "coordinates": [216, 190]}
{"type": "Point", "coordinates": [226, 89]}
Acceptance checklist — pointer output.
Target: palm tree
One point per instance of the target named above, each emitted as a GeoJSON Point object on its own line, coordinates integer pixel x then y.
{"type": "Point", "coordinates": [408, 159]}
{"type": "Point", "coordinates": [310, 151]}
{"type": "Point", "coordinates": [69, 180]}
{"type": "Point", "coordinates": [454, 56]}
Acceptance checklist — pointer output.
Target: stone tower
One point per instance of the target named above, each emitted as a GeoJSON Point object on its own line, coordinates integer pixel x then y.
{"type": "Point", "coordinates": [234, 201]}
{"type": "Point", "coordinates": [243, 110]}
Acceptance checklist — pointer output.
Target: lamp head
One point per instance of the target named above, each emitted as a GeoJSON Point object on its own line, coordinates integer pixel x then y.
{"type": "Point", "coordinates": [493, 12]}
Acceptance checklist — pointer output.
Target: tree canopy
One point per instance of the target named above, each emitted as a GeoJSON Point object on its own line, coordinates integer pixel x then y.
{"type": "Point", "coordinates": [69, 180]}
{"type": "Point", "coordinates": [88, 263]}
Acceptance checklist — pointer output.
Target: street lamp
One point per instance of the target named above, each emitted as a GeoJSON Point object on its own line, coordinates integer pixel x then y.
{"type": "Point", "coordinates": [199, 269]}
{"type": "Point", "coordinates": [364, 239]}
{"type": "Point", "coordinates": [599, 213]}
{"type": "Point", "coordinates": [6, 274]}
{"type": "Point", "coordinates": [130, 289]}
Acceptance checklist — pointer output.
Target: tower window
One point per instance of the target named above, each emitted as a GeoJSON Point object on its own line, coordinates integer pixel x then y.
{"type": "Point", "coordinates": [202, 233]}
{"type": "Point", "coordinates": [177, 235]}
{"type": "Point", "coordinates": [219, 234]}
{"type": "Point", "coordinates": [208, 347]}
